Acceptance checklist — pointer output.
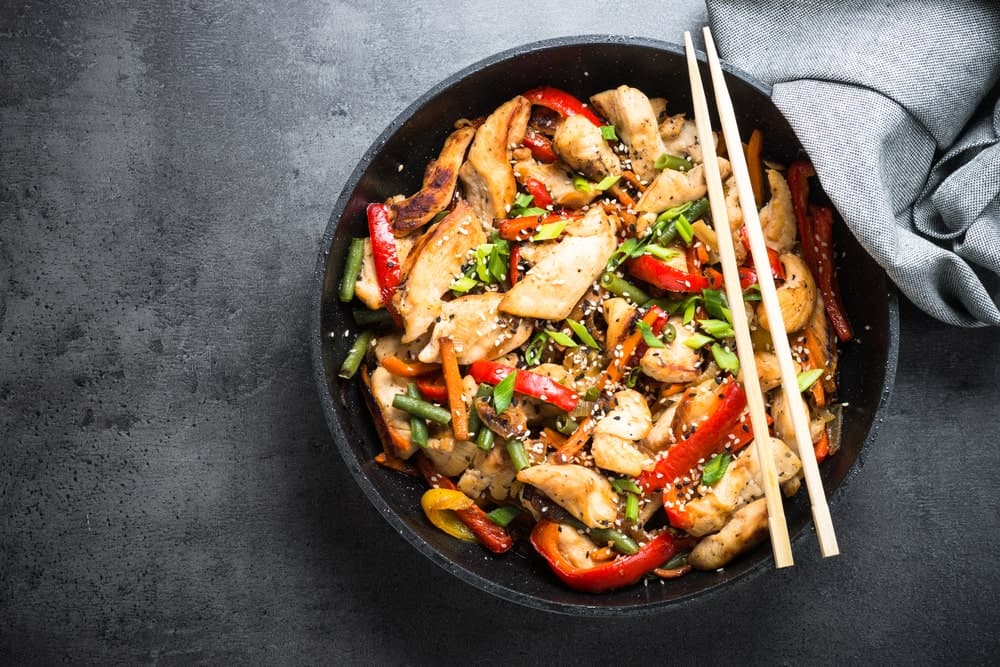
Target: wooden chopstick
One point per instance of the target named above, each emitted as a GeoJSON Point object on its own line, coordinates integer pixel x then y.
{"type": "Point", "coordinates": [777, 526]}
{"type": "Point", "coordinates": [758, 250]}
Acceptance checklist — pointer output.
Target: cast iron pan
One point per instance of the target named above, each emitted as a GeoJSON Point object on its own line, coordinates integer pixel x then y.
{"type": "Point", "coordinates": [582, 65]}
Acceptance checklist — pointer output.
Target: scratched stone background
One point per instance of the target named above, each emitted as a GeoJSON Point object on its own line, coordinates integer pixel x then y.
{"type": "Point", "coordinates": [169, 492]}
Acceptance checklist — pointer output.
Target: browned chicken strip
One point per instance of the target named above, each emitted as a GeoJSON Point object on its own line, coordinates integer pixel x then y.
{"type": "Point", "coordinates": [440, 179]}
{"type": "Point", "coordinates": [487, 177]}
{"type": "Point", "coordinates": [580, 145]}
{"type": "Point", "coordinates": [635, 122]}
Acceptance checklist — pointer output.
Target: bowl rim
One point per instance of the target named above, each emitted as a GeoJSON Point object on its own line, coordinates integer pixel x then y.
{"type": "Point", "coordinates": [316, 342]}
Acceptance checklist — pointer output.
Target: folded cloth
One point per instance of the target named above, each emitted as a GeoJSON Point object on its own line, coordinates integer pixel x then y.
{"type": "Point", "coordinates": [897, 105]}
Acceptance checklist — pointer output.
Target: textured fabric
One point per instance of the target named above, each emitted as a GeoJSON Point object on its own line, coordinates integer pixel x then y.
{"type": "Point", "coordinates": [896, 103]}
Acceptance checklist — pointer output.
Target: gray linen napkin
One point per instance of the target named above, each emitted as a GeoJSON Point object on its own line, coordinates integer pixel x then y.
{"type": "Point", "coordinates": [896, 104]}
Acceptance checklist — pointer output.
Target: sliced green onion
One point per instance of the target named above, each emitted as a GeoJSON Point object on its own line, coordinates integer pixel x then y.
{"type": "Point", "coordinates": [668, 234]}
{"type": "Point", "coordinates": [582, 333]}
{"type": "Point", "coordinates": [621, 542]}
{"type": "Point", "coordinates": [630, 248]}
{"type": "Point", "coordinates": [371, 318]}
{"type": "Point", "coordinates": [752, 293]}
{"type": "Point", "coordinates": [549, 231]}
{"type": "Point", "coordinates": [717, 328]}
{"type": "Point", "coordinates": [485, 439]}
{"type": "Point", "coordinates": [464, 284]}
{"type": "Point", "coordinates": [522, 200]}
{"type": "Point", "coordinates": [685, 229]}
{"type": "Point", "coordinates": [475, 423]}
{"type": "Point", "coordinates": [421, 408]}
{"type": "Point", "coordinates": [418, 427]}
{"type": "Point", "coordinates": [675, 212]}
{"type": "Point", "coordinates": [697, 341]}
{"type": "Point", "coordinates": [807, 379]}
{"type": "Point", "coordinates": [632, 377]}
{"type": "Point", "coordinates": [625, 485]}
{"type": "Point", "coordinates": [632, 507]}
{"type": "Point", "coordinates": [559, 338]}
{"type": "Point", "coordinates": [608, 133]}
{"type": "Point", "coordinates": [669, 333]}
{"type": "Point", "coordinates": [355, 355]}
{"type": "Point", "coordinates": [660, 252]}
{"type": "Point", "coordinates": [606, 182]}
{"type": "Point", "coordinates": [503, 392]}
{"type": "Point", "coordinates": [352, 267]}
{"type": "Point", "coordinates": [725, 359]}
{"type": "Point", "coordinates": [503, 515]}
{"type": "Point", "coordinates": [690, 305]}
{"type": "Point", "coordinates": [715, 469]}
{"type": "Point", "coordinates": [698, 209]}
{"type": "Point", "coordinates": [667, 161]}
{"type": "Point", "coordinates": [533, 352]}
{"type": "Point", "coordinates": [647, 335]}
{"type": "Point", "coordinates": [518, 457]}
{"type": "Point", "coordinates": [621, 287]}
{"type": "Point", "coordinates": [581, 184]}
{"type": "Point", "coordinates": [593, 393]}
{"type": "Point", "coordinates": [565, 424]}
{"type": "Point", "coordinates": [528, 212]}
{"type": "Point", "coordinates": [716, 305]}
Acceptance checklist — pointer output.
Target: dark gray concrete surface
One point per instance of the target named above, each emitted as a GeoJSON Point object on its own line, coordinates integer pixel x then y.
{"type": "Point", "coordinates": [169, 492]}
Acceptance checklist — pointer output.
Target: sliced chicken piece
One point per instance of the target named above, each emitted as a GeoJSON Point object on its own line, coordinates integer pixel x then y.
{"type": "Point", "coordinates": [613, 445]}
{"type": "Point", "coordinates": [579, 143]}
{"type": "Point", "coordinates": [478, 329]}
{"type": "Point", "coordinates": [745, 530]}
{"type": "Point", "coordinates": [451, 457]}
{"type": "Point", "coordinates": [675, 363]}
{"type": "Point", "coordinates": [384, 387]}
{"type": "Point", "coordinates": [672, 188]}
{"type": "Point", "coordinates": [680, 137]}
{"type": "Point", "coordinates": [431, 267]}
{"type": "Point", "coordinates": [738, 487]}
{"type": "Point", "coordinates": [391, 345]}
{"type": "Point", "coordinates": [659, 105]}
{"type": "Point", "coordinates": [777, 217]}
{"type": "Point", "coordinates": [797, 295]}
{"type": "Point", "coordinates": [783, 420]}
{"type": "Point", "coordinates": [634, 118]}
{"type": "Point", "coordinates": [556, 180]}
{"type": "Point", "coordinates": [768, 370]}
{"type": "Point", "coordinates": [619, 314]}
{"type": "Point", "coordinates": [661, 436]}
{"type": "Point", "coordinates": [366, 289]}
{"type": "Point", "coordinates": [440, 179]}
{"type": "Point", "coordinates": [551, 288]}
{"type": "Point", "coordinates": [582, 492]}
{"type": "Point", "coordinates": [492, 475]}
{"type": "Point", "coordinates": [487, 178]}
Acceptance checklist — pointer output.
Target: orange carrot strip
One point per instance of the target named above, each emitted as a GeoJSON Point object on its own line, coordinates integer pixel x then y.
{"type": "Point", "coordinates": [817, 359]}
{"type": "Point", "coordinates": [407, 369]}
{"type": "Point", "coordinates": [553, 438]}
{"type": "Point", "coordinates": [453, 381]}
{"type": "Point", "coordinates": [822, 446]}
{"type": "Point", "coordinates": [624, 197]}
{"type": "Point", "coordinates": [756, 166]}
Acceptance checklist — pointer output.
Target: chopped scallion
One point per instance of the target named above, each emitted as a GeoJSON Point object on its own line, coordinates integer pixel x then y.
{"type": "Point", "coordinates": [582, 333]}
{"type": "Point", "coordinates": [684, 229]}
{"type": "Point", "coordinates": [464, 284]}
{"type": "Point", "coordinates": [549, 231]}
{"type": "Point", "coordinates": [632, 507]}
{"type": "Point", "coordinates": [608, 133]}
{"type": "Point", "coordinates": [807, 379]}
{"type": "Point", "coordinates": [625, 484]}
{"type": "Point", "coordinates": [648, 336]}
{"type": "Point", "coordinates": [726, 359]}
{"type": "Point", "coordinates": [533, 352]}
{"type": "Point", "coordinates": [717, 328]}
{"type": "Point", "coordinates": [697, 341]}
{"type": "Point", "coordinates": [559, 338]}
{"type": "Point", "coordinates": [581, 184]}
{"type": "Point", "coordinates": [660, 252]}
{"type": "Point", "coordinates": [503, 392]}
{"type": "Point", "coordinates": [503, 515]}
{"type": "Point", "coordinates": [606, 182]}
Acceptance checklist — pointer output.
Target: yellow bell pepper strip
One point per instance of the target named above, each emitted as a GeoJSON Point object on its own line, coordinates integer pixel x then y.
{"type": "Point", "coordinates": [492, 536]}
{"type": "Point", "coordinates": [622, 571]}
{"type": "Point", "coordinates": [440, 506]}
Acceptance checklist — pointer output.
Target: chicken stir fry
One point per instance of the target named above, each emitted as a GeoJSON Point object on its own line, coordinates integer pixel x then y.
{"type": "Point", "coordinates": [548, 344]}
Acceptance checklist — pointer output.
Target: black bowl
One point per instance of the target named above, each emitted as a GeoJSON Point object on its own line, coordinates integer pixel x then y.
{"type": "Point", "coordinates": [582, 65]}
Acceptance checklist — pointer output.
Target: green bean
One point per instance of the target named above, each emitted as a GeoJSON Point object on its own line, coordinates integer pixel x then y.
{"type": "Point", "coordinates": [355, 355]}
{"type": "Point", "coordinates": [485, 438]}
{"type": "Point", "coordinates": [622, 287]}
{"type": "Point", "coordinates": [631, 507]}
{"type": "Point", "coordinates": [352, 267]}
{"type": "Point", "coordinates": [515, 450]}
{"type": "Point", "coordinates": [621, 542]}
{"type": "Point", "coordinates": [668, 235]}
{"type": "Point", "coordinates": [371, 318]}
{"type": "Point", "coordinates": [421, 408]}
{"type": "Point", "coordinates": [503, 515]}
{"type": "Point", "coordinates": [418, 427]}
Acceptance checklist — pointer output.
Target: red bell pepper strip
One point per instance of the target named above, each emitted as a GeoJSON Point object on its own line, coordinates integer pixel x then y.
{"type": "Point", "coordinates": [799, 173]}
{"type": "Point", "coordinates": [432, 388]}
{"type": "Point", "coordinates": [492, 536]}
{"type": "Point", "coordinates": [681, 458]}
{"type": "Point", "coordinates": [773, 258]}
{"type": "Point", "coordinates": [387, 266]}
{"type": "Point", "coordinates": [515, 270]}
{"type": "Point", "coordinates": [540, 146]}
{"type": "Point", "coordinates": [622, 571]}
{"type": "Point", "coordinates": [528, 383]}
{"type": "Point", "coordinates": [825, 273]}
{"type": "Point", "coordinates": [562, 103]}
{"type": "Point", "coordinates": [538, 191]}
{"type": "Point", "coordinates": [523, 228]}
{"type": "Point", "coordinates": [658, 273]}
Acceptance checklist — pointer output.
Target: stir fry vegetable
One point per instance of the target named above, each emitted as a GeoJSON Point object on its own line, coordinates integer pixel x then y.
{"type": "Point", "coordinates": [560, 363]}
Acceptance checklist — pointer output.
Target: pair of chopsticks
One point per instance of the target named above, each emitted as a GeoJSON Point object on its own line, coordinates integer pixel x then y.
{"type": "Point", "coordinates": [744, 346]}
